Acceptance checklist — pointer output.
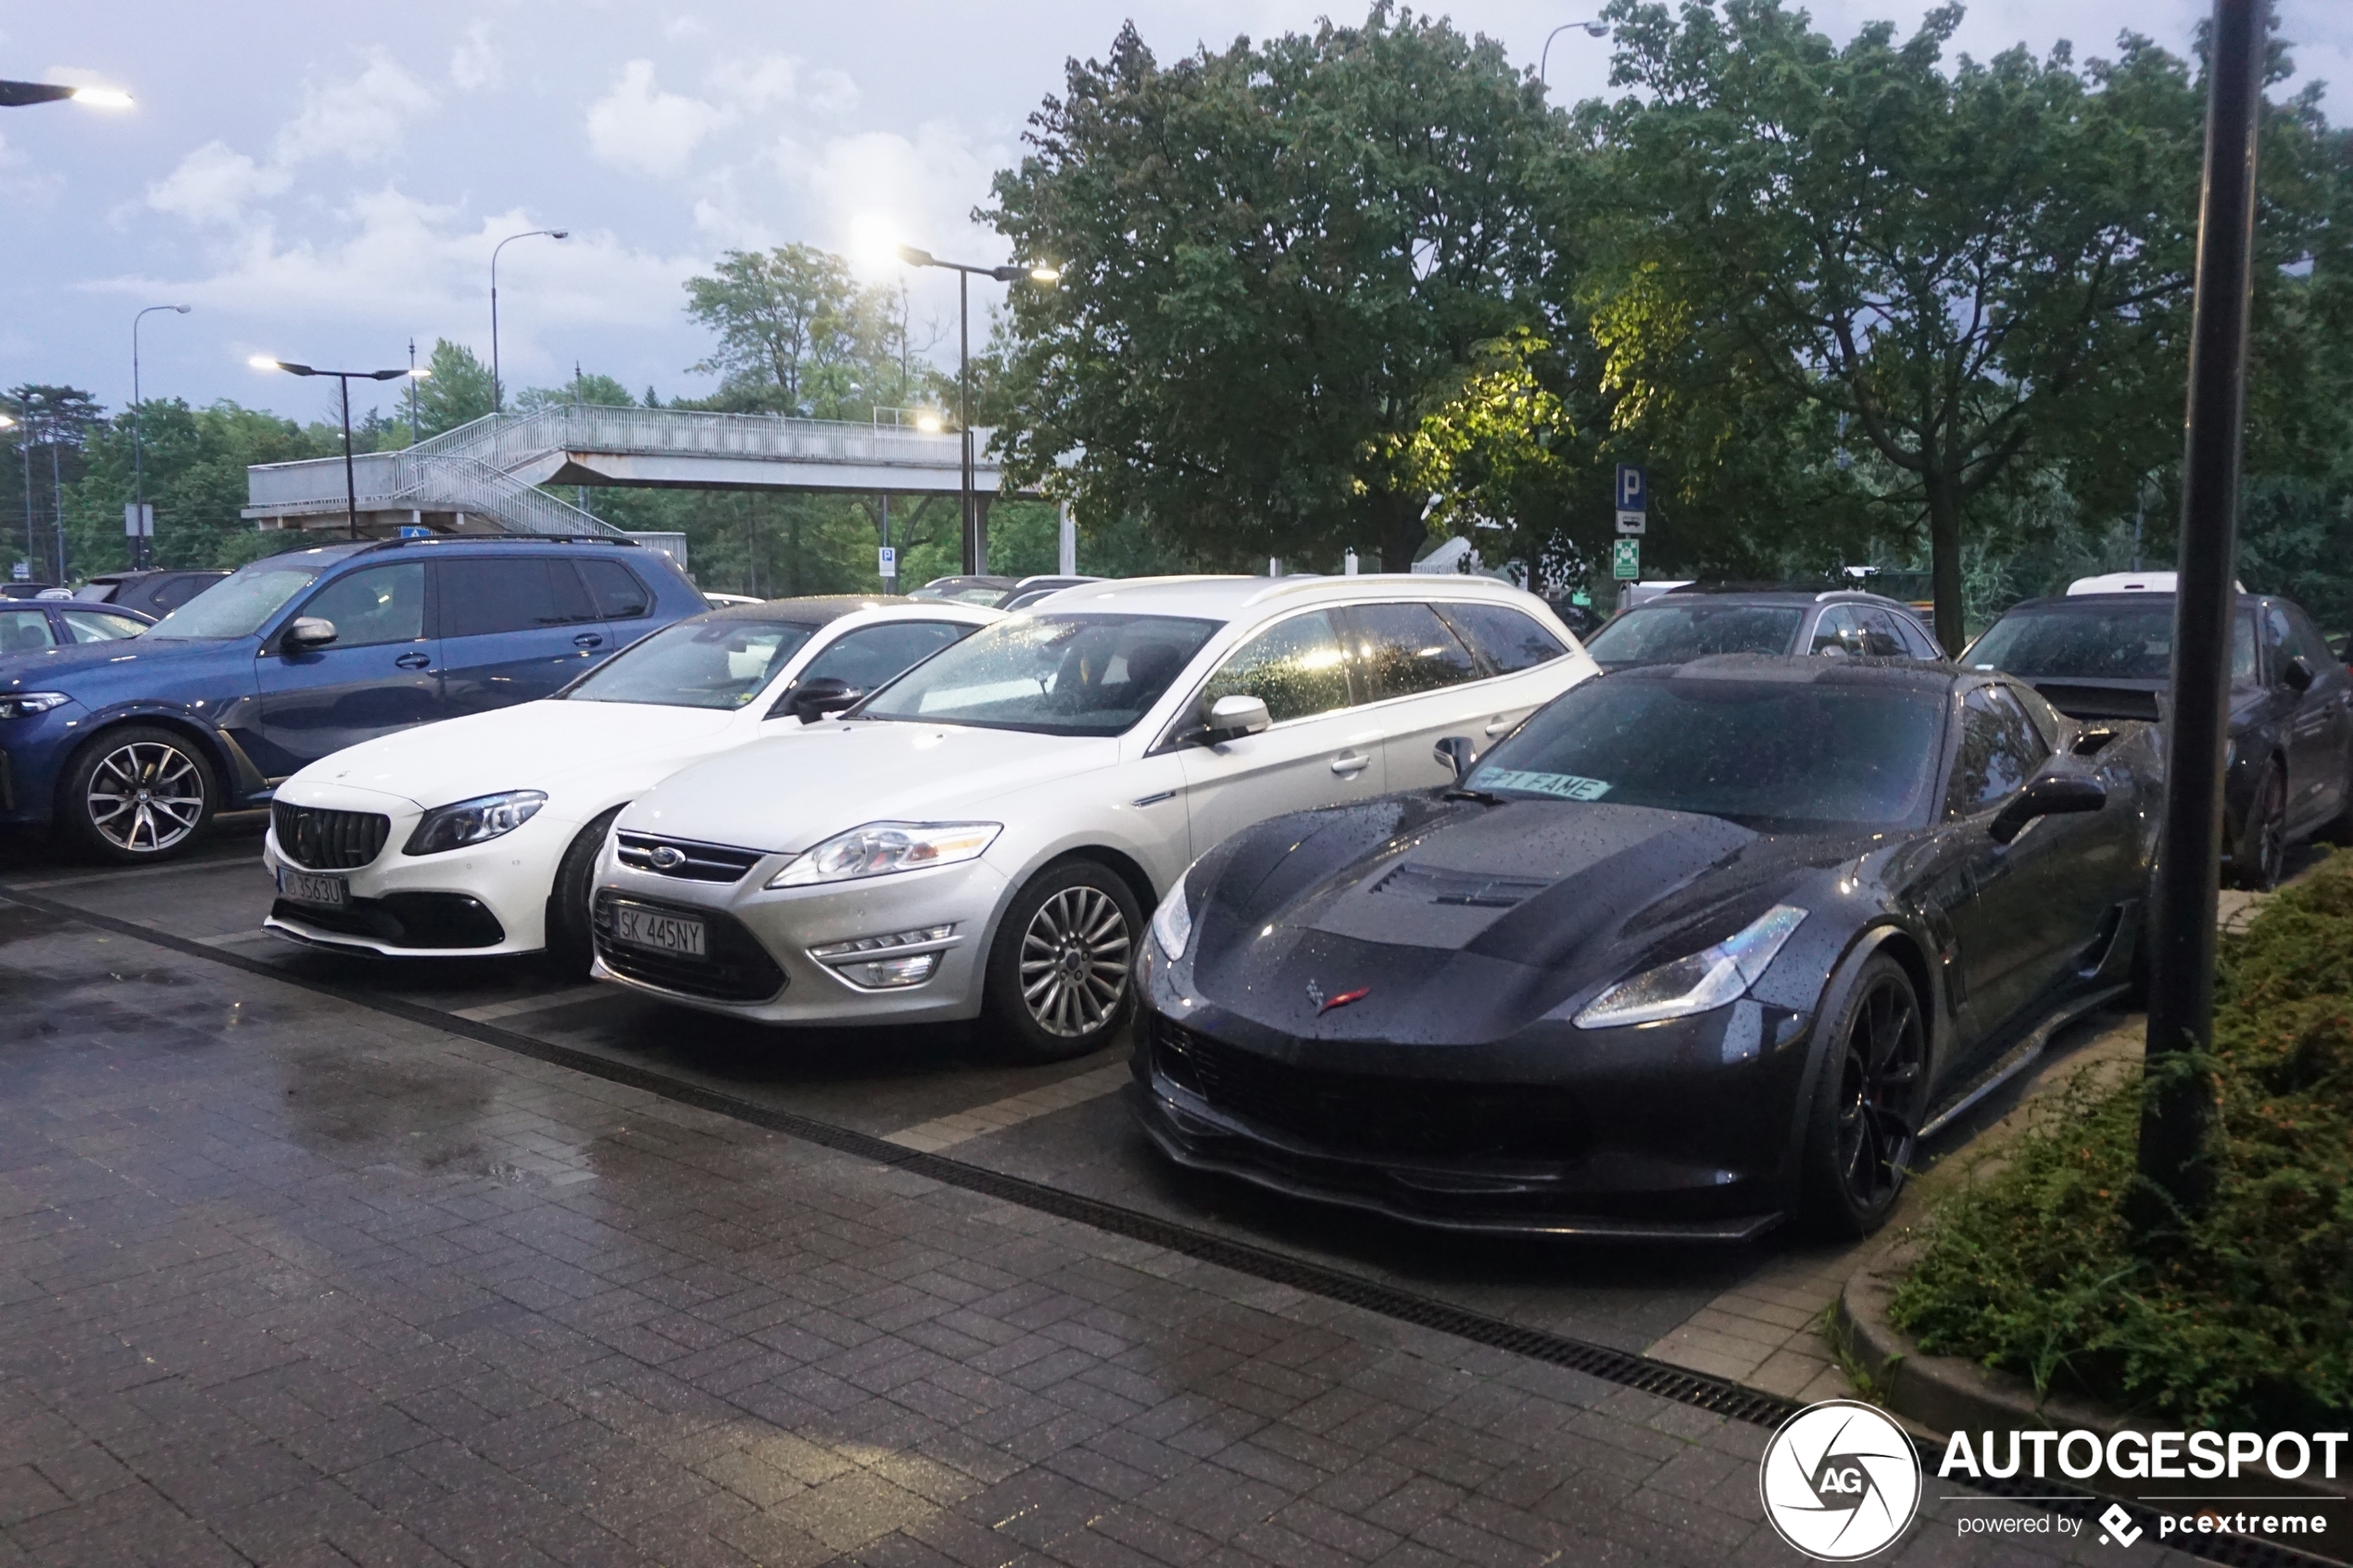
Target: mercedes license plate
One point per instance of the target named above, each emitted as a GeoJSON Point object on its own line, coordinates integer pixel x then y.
{"type": "Point", "coordinates": [307, 888]}
{"type": "Point", "coordinates": [677, 935]}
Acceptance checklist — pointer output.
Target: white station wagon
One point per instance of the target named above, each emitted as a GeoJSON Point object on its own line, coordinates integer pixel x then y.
{"type": "Point", "coordinates": [983, 836]}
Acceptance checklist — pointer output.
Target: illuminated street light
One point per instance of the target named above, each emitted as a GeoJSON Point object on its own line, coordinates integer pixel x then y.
{"type": "Point", "coordinates": [929, 422]}
{"type": "Point", "coordinates": [344, 379]}
{"type": "Point", "coordinates": [915, 256]}
{"type": "Point", "coordinates": [23, 95]}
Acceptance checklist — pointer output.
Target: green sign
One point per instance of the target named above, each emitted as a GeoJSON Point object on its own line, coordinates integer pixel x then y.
{"type": "Point", "coordinates": [1626, 559]}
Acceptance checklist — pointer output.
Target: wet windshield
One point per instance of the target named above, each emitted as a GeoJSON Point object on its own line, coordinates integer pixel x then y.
{"type": "Point", "coordinates": [1769, 755]}
{"type": "Point", "coordinates": [2098, 642]}
{"type": "Point", "coordinates": [1054, 674]}
{"type": "Point", "coordinates": [697, 664]}
{"type": "Point", "coordinates": [240, 603]}
{"type": "Point", "coordinates": [1677, 632]}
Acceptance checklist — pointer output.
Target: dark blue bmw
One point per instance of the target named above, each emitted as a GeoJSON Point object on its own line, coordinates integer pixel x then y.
{"type": "Point", "coordinates": [129, 746]}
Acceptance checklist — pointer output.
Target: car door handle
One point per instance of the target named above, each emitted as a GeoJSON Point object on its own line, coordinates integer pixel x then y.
{"type": "Point", "coordinates": [1496, 727]}
{"type": "Point", "coordinates": [1348, 764]}
{"type": "Point", "coordinates": [588, 640]}
{"type": "Point", "coordinates": [413, 660]}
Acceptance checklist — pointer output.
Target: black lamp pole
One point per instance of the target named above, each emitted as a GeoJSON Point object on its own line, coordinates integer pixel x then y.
{"type": "Point", "coordinates": [2180, 1019]}
{"type": "Point", "coordinates": [343, 380]}
{"type": "Point", "coordinates": [974, 563]}
{"type": "Point", "coordinates": [498, 397]}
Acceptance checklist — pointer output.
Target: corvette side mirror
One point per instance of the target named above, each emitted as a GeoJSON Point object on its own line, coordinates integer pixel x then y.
{"type": "Point", "coordinates": [1231, 718]}
{"type": "Point", "coordinates": [306, 632]}
{"type": "Point", "coordinates": [2048, 794]}
{"type": "Point", "coordinates": [2299, 675]}
{"type": "Point", "coordinates": [1455, 752]}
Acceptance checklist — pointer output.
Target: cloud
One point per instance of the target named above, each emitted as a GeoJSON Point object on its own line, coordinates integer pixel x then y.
{"type": "Point", "coordinates": [641, 127]}
{"type": "Point", "coordinates": [753, 85]}
{"type": "Point", "coordinates": [214, 185]}
{"type": "Point", "coordinates": [832, 93]}
{"type": "Point", "coordinates": [360, 120]}
{"type": "Point", "coordinates": [474, 62]}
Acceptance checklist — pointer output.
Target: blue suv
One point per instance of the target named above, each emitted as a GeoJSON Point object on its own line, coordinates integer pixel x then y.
{"type": "Point", "coordinates": [130, 747]}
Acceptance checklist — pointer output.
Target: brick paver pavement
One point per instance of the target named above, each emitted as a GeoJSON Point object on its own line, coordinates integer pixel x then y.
{"type": "Point", "coordinates": [284, 1280]}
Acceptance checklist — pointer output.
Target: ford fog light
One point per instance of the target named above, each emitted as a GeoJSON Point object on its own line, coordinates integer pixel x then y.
{"type": "Point", "coordinates": [884, 974]}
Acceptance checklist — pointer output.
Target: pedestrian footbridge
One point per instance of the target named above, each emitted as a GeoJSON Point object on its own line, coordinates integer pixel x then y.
{"type": "Point", "coordinates": [484, 477]}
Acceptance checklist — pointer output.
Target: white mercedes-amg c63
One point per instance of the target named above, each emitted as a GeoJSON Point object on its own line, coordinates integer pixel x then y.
{"type": "Point", "coordinates": [476, 836]}
{"type": "Point", "coordinates": [983, 836]}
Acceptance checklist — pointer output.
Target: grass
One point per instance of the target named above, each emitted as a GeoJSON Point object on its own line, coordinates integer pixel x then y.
{"type": "Point", "coordinates": [2242, 1314]}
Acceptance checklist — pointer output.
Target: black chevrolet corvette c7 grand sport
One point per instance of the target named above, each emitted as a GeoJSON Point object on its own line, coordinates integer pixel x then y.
{"type": "Point", "coordinates": [1695, 950]}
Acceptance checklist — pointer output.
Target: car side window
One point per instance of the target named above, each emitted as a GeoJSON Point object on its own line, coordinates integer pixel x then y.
{"type": "Point", "coordinates": [2279, 640]}
{"type": "Point", "coordinates": [1918, 638]}
{"type": "Point", "coordinates": [1509, 641]}
{"type": "Point", "coordinates": [98, 626]}
{"type": "Point", "coordinates": [618, 593]}
{"type": "Point", "coordinates": [174, 591]}
{"type": "Point", "coordinates": [866, 658]}
{"type": "Point", "coordinates": [2313, 648]}
{"type": "Point", "coordinates": [1836, 631]}
{"type": "Point", "coordinates": [1402, 650]}
{"type": "Point", "coordinates": [25, 631]}
{"type": "Point", "coordinates": [1295, 667]}
{"type": "Point", "coordinates": [483, 594]}
{"type": "Point", "coordinates": [380, 604]}
{"type": "Point", "coordinates": [1882, 639]}
{"type": "Point", "coordinates": [2000, 750]}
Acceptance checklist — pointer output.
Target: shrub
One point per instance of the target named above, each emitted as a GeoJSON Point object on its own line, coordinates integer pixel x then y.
{"type": "Point", "coordinates": [2242, 1314]}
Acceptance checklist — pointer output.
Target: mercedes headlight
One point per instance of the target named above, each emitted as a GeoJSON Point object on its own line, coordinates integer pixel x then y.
{"type": "Point", "coordinates": [1173, 922]}
{"type": "Point", "coordinates": [478, 821]}
{"type": "Point", "coordinates": [24, 705]}
{"type": "Point", "coordinates": [1705, 980]}
{"type": "Point", "coordinates": [880, 849]}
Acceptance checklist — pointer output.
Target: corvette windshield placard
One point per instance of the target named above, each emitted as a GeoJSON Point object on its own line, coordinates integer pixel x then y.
{"type": "Point", "coordinates": [1566, 786]}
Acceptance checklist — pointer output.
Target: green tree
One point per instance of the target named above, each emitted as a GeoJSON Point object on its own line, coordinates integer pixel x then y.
{"type": "Point", "coordinates": [1274, 258]}
{"type": "Point", "coordinates": [456, 390]}
{"type": "Point", "coordinates": [797, 333]}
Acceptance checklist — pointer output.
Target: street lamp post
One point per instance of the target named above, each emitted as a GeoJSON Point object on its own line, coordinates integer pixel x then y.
{"type": "Point", "coordinates": [343, 380]}
{"type": "Point", "coordinates": [24, 94]}
{"type": "Point", "coordinates": [914, 257]}
{"type": "Point", "coordinates": [1596, 29]}
{"type": "Point", "coordinates": [497, 399]}
{"type": "Point", "coordinates": [140, 545]}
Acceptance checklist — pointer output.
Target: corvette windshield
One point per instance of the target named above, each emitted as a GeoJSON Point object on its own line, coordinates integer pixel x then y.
{"type": "Point", "coordinates": [1765, 754]}
{"type": "Point", "coordinates": [2127, 642]}
{"type": "Point", "coordinates": [239, 603]}
{"type": "Point", "coordinates": [1671, 634]}
{"type": "Point", "coordinates": [696, 664]}
{"type": "Point", "coordinates": [1053, 674]}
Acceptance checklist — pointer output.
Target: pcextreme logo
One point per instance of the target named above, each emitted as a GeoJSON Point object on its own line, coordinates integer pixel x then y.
{"type": "Point", "coordinates": [1840, 1480]}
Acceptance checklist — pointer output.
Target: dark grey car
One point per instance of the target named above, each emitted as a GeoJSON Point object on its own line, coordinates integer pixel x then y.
{"type": "Point", "coordinates": [1699, 623]}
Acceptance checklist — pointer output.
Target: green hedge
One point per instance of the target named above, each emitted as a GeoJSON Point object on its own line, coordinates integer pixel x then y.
{"type": "Point", "coordinates": [2244, 1314]}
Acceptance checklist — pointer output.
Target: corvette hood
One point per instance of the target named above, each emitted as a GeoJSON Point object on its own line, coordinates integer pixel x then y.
{"type": "Point", "coordinates": [788, 792]}
{"type": "Point", "coordinates": [532, 746]}
{"type": "Point", "coordinates": [1477, 922]}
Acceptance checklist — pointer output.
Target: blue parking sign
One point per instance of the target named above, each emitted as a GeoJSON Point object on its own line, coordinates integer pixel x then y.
{"type": "Point", "coordinates": [1633, 488]}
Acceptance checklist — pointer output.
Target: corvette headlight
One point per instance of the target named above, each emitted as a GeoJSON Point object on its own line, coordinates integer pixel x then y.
{"type": "Point", "coordinates": [1173, 922]}
{"type": "Point", "coordinates": [478, 821]}
{"type": "Point", "coordinates": [880, 849]}
{"type": "Point", "coordinates": [1705, 980]}
{"type": "Point", "coordinates": [24, 705]}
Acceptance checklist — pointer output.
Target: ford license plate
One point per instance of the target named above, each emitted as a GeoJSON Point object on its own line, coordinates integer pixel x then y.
{"type": "Point", "coordinates": [679, 935]}
{"type": "Point", "coordinates": [309, 887]}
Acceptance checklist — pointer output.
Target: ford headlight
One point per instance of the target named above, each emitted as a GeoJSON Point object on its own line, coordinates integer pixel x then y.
{"type": "Point", "coordinates": [24, 705]}
{"type": "Point", "coordinates": [880, 849]}
{"type": "Point", "coordinates": [1173, 922]}
{"type": "Point", "coordinates": [1705, 980]}
{"type": "Point", "coordinates": [478, 821]}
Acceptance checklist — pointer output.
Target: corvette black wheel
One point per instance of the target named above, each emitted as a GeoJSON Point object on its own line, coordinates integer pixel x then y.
{"type": "Point", "coordinates": [1058, 983]}
{"type": "Point", "coordinates": [2262, 848]}
{"type": "Point", "coordinates": [1867, 1112]}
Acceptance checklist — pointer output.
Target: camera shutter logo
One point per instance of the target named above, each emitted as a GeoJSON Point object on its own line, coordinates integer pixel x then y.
{"type": "Point", "coordinates": [1840, 1480]}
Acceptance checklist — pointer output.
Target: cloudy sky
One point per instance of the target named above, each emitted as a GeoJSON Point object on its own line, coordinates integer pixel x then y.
{"type": "Point", "coordinates": [322, 182]}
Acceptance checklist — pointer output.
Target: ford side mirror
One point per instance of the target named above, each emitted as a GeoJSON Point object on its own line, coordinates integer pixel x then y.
{"type": "Point", "coordinates": [2048, 794]}
{"type": "Point", "coordinates": [1455, 752]}
{"type": "Point", "coordinates": [811, 700]}
{"type": "Point", "coordinates": [306, 632]}
{"type": "Point", "coordinates": [1231, 718]}
{"type": "Point", "coordinates": [2300, 675]}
